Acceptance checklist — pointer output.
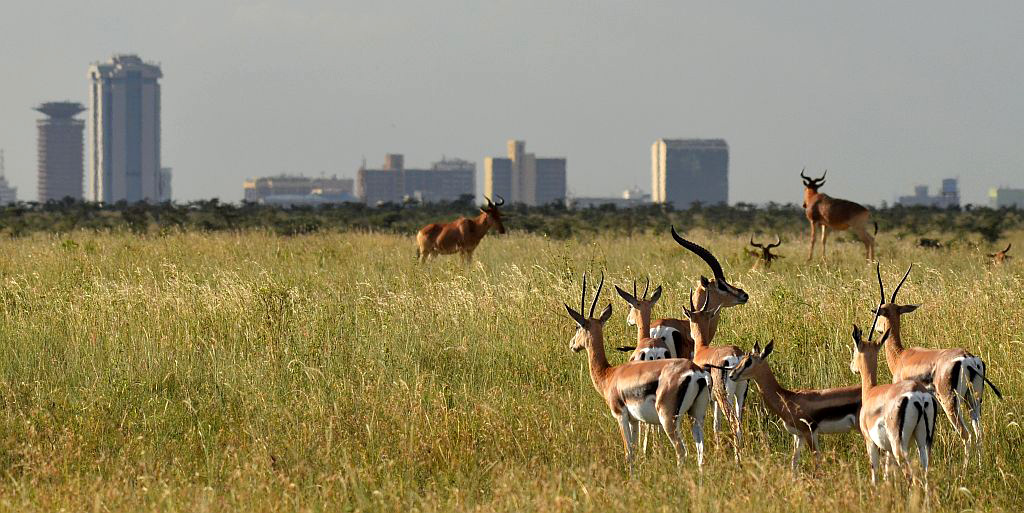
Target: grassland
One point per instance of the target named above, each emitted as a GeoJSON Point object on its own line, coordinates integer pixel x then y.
{"type": "Point", "coordinates": [252, 372]}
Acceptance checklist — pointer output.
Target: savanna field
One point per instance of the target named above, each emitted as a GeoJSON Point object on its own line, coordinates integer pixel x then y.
{"type": "Point", "coordinates": [331, 372]}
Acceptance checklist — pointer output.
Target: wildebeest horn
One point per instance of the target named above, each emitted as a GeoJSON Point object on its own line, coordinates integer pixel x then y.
{"type": "Point", "coordinates": [704, 254]}
{"type": "Point", "coordinates": [756, 245]}
{"type": "Point", "coordinates": [897, 291]}
{"type": "Point", "coordinates": [594, 304]}
{"type": "Point", "coordinates": [1008, 245]}
{"type": "Point", "coordinates": [778, 242]}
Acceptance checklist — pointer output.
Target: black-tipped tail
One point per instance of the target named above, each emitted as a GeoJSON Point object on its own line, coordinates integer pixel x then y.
{"type": "Point", "coordinates": [876, 227]}
{"type": "Point", "coordinates": [993, 387]}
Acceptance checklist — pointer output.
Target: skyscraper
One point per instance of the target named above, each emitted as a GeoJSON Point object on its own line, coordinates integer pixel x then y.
{"type": "Point", "coordinates": [445, 180]}
{"type": "Point", "coordinates": [59, 142]}
{"type": "Point", "coordinates": [686, 171]}
{"type": "Point", "coordinates": [124, 131]}
{"type": "Point", "coordinates": [8, 194]}
{"type": "Point", "coordinates": [524, 178]}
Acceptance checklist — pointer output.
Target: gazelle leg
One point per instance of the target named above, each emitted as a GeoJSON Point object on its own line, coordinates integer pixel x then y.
{"type": "Point", "coordinates": [950, 404]}
{"type": "Point", "coordinates": [697, 429]}
{"type": "Point", "coordinates": [873, 456]}
{"type": "Point", "coordinates": [741, 397]}
{"type": "Point", "coordinates": [670, 423]}
{"type": "Point", "coordinates": [814, 237]}
{"type": "Point", "coordinates": [814, 449]}
{"type": "Point", "coordinates": [626, 429]}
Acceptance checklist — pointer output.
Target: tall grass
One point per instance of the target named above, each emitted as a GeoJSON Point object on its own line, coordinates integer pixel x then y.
{"type": "Point", "coordinates": [331, 372]}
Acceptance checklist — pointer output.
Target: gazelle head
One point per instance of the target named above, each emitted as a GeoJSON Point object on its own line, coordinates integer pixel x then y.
{"type": "Point", "coordinates": [640, 307]}
{"type": "Point", "coordinates": [588, 329]}
{"type": "Point", "coordinates": [1001, 257]}
{"type": "Point", "coordinates": [726, 294]}
{"type": "Point", "coordinates": [865, 349]}
{"type": "Point", "coordinates": [752, 363]}
{"type": "Point", "coordinates": [701, 317]}
{"type": "Point", "coordinates": [765, 256]}
{"type": "Point", "coordinates": [887, 315]}
{"type": "Point", "coordinates": [492, 215]}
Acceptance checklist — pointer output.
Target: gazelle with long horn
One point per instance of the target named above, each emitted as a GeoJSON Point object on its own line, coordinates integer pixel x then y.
{"type": "Point", "coordinates": [765, 255]}
{"type": "Point", "coordinates": [957, 375]}
{"type": "Point", "coordinates": [655, 392]}
{"type": "Point", "coordinates": [835, 214]}
{"type": "Point", "coordinates": [461, 235]}
{"type": "Point", "coordinates": [805, 413]}
{"type": "Point", "coordinates": [892, 415]}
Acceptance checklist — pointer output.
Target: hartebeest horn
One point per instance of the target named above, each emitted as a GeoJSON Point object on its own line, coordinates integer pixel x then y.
{"type": "Point", "coordinates": [897, 291]}
{"type": "Point", "coordinates": [1008, 246]}
{"type": "Point", "coordinates": [501, 201]}
{"type": "Point", "coordinates": [805, 177]}
{"type": "Point", "coordinates": [704, 254]}
{"type": "Point", "coordinates": [756, 245]}
{"type": "Point", "coordinates": [596, 296]}
{"type": "Point", "coordinates": [778, 242]}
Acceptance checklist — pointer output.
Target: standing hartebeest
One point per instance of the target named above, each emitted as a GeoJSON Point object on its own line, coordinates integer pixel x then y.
{"type": "Point", "coordinates": [958, 376]}
{"type": "Point", "coordinates": [657, 392]}
{"type": "Point", "coordinates": [892, 415]}
{"type": "Point", "coordinates": [765, 255]}
{"type": "Point", "coordinates": [836, 214]}
{"type": "Point", "coordinates": [1001, 257]}
{"type": "Point", "coordinates": [461, 235]}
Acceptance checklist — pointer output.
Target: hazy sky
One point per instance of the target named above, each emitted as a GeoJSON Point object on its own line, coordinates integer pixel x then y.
{"type": "Point", "coordinates": [884, 94]}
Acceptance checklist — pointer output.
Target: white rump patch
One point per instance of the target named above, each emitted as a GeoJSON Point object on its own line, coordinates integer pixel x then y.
{"type": "Point", "coordinates": [665, 334]}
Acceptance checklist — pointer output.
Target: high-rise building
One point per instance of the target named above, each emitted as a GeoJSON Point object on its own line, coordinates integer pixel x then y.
{"type": "Point", "coordinates": [59, 142]}
{"type": "Point", "coordinates": [8, 194]}
{"type": "Point", "coordinates": [165, 184]}
{"type": "Point", "coordinates": [948, 197]}
{"type": "Point", "coordinates": [124, 131]}
{"type": "Point", "coordinates": [445, 180]}
{"type": "Point", "coordinates": [1004, 197]}
{"type": "Point", "coordinates": [298, 190]}
{"type": "Point", "coordinates": [686, 171]}
{"type": "Point", "coordinates": [523, 178]}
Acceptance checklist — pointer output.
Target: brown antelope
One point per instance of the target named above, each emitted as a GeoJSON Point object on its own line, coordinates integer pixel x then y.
{"type": "Point", "coordinates": [765, 255]}
{"type": "Point", "coordinates": [654, 392]}
{"type": "Point", "coordinates": [461, 235]}
{"type": "Point", "coordinates": [957, 376]}
{"type": "Point", "coordinates": [640, 307]}
{"type": "Point", "coordinates": [836, 214]}
{"type": "Point", "coordinates": [892, 415]}
{"type": "Point", "coordinates": [729, 395]}
{"type": "Point", "coordinates": [806, 413]}
{"type": "Point", "coordinates": [1001, 257]}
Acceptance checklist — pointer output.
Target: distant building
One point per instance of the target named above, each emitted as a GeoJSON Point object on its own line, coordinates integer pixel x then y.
{"type": "Point", "coordinates": [124, 131]}
{"type": "Point", "coordinates": [8, 194]}
{"type": "Point", "coordinates": [948, 197]}
{"type": "Point", "coordinates": [1000, 197]}
{"type": "Point", "coordinates": [165, 184]}
{"type": "Point", "coordinates": [524, 178]}
{"type": "Point", "coordinates": [59, 144]}
{"type": "Point", "coordinates": [630, 198]}
{"type": "Point", "coordinates": [686, 171]}
{"type": "Point", "coordinates": [289, 190]}
{"type": "Point", "coordinates": [445, 180]}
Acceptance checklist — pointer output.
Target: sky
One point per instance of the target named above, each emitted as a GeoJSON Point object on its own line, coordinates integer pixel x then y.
{"type": "Point", "coordinates": [885, 95]}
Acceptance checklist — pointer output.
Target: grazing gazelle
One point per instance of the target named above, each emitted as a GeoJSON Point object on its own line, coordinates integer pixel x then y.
{"type": "Point", "coordinates": [654, 392]}
{"type": "Point", "coordinates": [765, 255]}
{"type": "Point", "coordinates": [892, 415]}
{"type": "Point", "coordinates": [835, 214]}
{"type": "Point", "coordinates": [958, 376]}
{"type": "Point", "coordinates": [806, 413]}
{"type": "Point", "coordinates": [1001, 257]}
{"type": "Point", "coordinates": [729, 395]}
{"type": "Point", "coordinates": [461, 235]}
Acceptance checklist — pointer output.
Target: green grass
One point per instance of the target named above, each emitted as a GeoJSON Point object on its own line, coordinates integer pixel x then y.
{"type": "Point", "coordinates": [253, 372]}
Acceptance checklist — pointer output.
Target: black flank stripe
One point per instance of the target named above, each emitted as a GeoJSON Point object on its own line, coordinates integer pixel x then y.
{"type": "Point", "coordinates": [954, 376]}
{"type": "Point", "coordinates": [901, 413]}
{"type": "Point", "coordinates": [681, 396]}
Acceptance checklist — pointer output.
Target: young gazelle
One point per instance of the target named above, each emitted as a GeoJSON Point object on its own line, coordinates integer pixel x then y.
{"type": "Point", "coordinates": [892, 415]}
{"type": "Point", "coordinates": [958, 376]}
{"type": "Point", "coordinates": [806, 413]}
{"type": "Point", "coordinates": [729, 395]}
{"type": "Point", "coordinates": [655, 392]}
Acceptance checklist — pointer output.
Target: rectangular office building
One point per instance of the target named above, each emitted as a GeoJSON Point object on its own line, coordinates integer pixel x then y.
{"type": "Point", "coordinates": [687, 171]}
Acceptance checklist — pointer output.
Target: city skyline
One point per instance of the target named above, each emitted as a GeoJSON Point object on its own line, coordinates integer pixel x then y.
{"type": "Point", "coordinates": [260, 89]}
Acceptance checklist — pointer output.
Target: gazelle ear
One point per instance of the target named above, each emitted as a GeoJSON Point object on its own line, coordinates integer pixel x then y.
{"type": "Point", "coordinates": [908, 308]}
{"type": "Point", "coordinates": [756, 349]}
{"type": "Point", "coordinates": [768, 349]}
{"type": "Point", "coordinates": [704, 281]}
{"type": "Point", "coordinates": [626, 296]}
{"type": "Point", "coordinates": [657, 295]}
{"type": "Point", "coordinates": [856, 337]}
{"type": "Point", "coordinates": [606, 314]}
{"type": "Point", "coordinates": [575, 315]}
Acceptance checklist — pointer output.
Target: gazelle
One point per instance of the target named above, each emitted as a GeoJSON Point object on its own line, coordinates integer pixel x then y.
{"type": "Point", "coordinates": [765, 255]}
{"type": "Point", "coordinates": [461, 235]}
{"type": "Point", "coordinates": [892, 415]}
{"type": "Point", "coordinates": [958, 376]}
{"type": "Point", "coordinates": [646, 348]}
{"type": "Point", "coordinates": [806, 413]}
{"type": "Point", "coordinates": [654, 392]}
{"type": "Point", "coordinates": [836, 214]}
{"type": "Point", "coordinates": [729, 395]}
{"type": "Point", "coordinates": [1001, 257]}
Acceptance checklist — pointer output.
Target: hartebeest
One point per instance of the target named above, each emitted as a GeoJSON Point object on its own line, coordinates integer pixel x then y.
{"type": "Point", "coordinates": [654, 392]}
{"type": "Point", "coordinates": [461, 235]}
{"type": "Point", "coordinates": [806, 413]}
{"type": "Point", "coordinates": [729, 395]}
{"type": "Point", "coordinates": [765, 255]}
{"type": "Point", "coordinates": [835, 214]}
{"type": "Point", "coordinates": [1001, 257]}
{"type": "Point", "coordinates": [892, 415]}
{"type": "Point", "coordinates": [957, 376]}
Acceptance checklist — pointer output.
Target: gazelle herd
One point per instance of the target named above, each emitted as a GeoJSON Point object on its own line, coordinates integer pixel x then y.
{"type": "Point", "coordinates": [675, 369]}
